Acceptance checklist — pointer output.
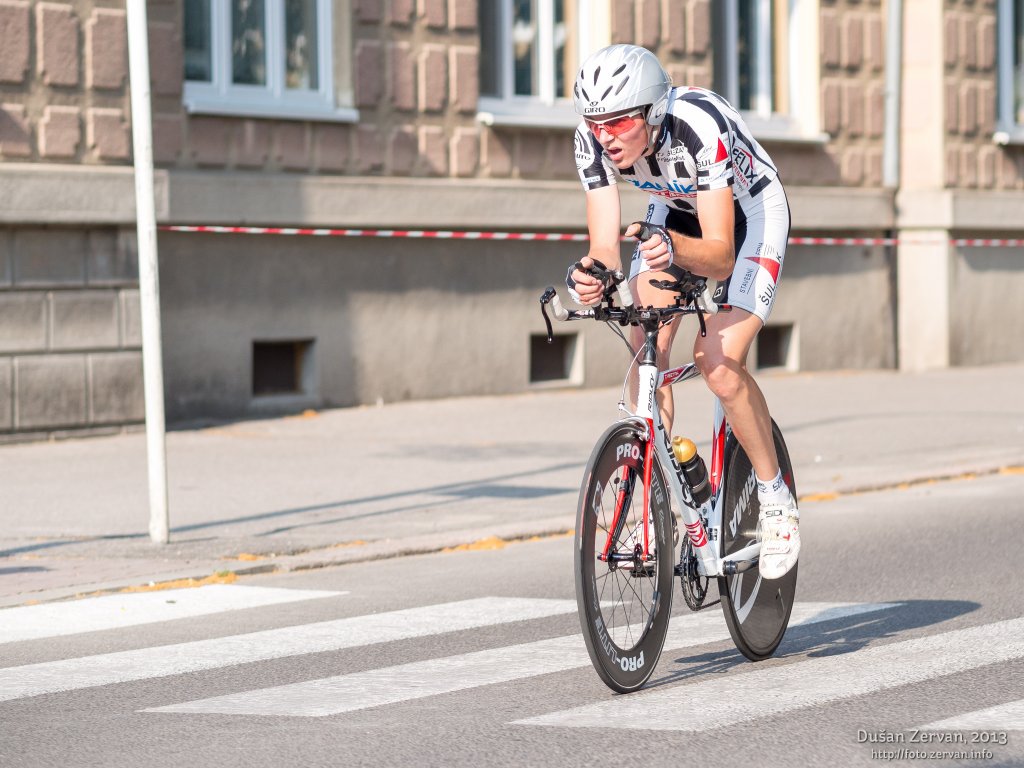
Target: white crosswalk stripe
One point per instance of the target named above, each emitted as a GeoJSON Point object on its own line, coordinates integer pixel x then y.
{"type": "Point", "coordinates": [777, 689]}
{"type": "Point", "coordinates": [34, 622]}
{"type": "Point", "coordinates": [161, 661]}
{"type": "Point", "coordinates": [1004, 717]}
{"type": "Point", "coordinates": [361, 690]}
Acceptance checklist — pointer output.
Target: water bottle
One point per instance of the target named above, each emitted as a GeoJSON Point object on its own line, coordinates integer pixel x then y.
{"type": "Point", "coordinates": [694, 470]}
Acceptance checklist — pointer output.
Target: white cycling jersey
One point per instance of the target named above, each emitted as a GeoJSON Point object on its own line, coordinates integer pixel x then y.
{"type": "Point", "coordinates": [705, 145]}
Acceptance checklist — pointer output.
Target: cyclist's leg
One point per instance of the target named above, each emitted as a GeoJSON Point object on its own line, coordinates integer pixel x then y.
{"type": "Point", "coordinates": [722, 355]}
{"type": "Point", "coordinates": [722, 359]}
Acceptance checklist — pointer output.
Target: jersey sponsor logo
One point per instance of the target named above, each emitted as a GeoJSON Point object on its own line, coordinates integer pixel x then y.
{"type": "Point", "coordinates": [772, 265]}
{"type": "Point", "coordinates": [743, 162]}
{"type": "Point", "coordinates": [673, 154]}
{"type": "Point", "coordinates": [670, 189]}
{"type": "Point", "coordinates": [584, 153]}
{"type": "Point", "coordinates": [712, 155]}
{"type": "Point", "coordinates": [747, 279]}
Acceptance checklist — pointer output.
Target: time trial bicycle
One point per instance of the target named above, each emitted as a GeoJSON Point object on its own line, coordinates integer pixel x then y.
{"type": "Point", "coordinates": [626, 532]}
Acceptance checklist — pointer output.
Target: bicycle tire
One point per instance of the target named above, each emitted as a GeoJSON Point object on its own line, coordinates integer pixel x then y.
{"type": "Point", "coordinates": [624, 611]}
{"type": "Point", "coordinates": [756, 610]}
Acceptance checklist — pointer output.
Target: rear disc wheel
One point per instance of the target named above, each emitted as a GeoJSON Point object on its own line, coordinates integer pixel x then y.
{"type": "Point", "coordinates": [756, 610]}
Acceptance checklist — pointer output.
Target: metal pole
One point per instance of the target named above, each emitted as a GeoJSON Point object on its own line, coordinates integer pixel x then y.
{"type": "Point", "coordinates": [893, 72]}
{"type": "Point", "coordinates": [149, 278]}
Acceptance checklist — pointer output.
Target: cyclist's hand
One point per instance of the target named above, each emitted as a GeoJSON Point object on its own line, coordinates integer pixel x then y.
{"type": "Point", "coordinates": [657, 250]}
{"type": "Point", "coordinates": [584, 288]}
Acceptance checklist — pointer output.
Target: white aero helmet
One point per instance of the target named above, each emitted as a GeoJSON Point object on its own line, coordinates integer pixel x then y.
{"type": "Point", "coordinates": [620, 78]}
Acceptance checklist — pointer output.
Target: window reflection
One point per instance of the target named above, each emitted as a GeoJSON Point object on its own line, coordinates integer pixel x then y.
{"type": "Point", "coordinates": [300, 45]}
{"type": "Point", "coordinates": [248, 43]}
{"type": "Point", "coordinates": [561, 49]}
{"type": "Point", "coordinates": [198, 62]}
{"type": "Point", "coordinates": [524, 43]}
{"type": "Point", "coordinates": [1018, 60]}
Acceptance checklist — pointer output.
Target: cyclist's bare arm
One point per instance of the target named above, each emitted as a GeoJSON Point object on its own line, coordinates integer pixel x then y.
{"type": "Point", "coordinates": [711, 255]}
{"type": "Point", "coordinates": [603, 226]}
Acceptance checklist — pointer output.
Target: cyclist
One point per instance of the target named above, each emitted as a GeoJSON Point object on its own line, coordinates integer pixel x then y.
{"type": "Point", "coordinates": [719, 210]}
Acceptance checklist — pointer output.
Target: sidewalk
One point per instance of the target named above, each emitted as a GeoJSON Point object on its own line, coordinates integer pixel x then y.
{"type": "Point", "coordinates": [355, 484]}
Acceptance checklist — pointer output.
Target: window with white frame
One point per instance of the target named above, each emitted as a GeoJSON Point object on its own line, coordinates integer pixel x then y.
{"type": "Point", "coordinates": [261, 58]}
{"type": "Point", "coordinates": [765, 64]}
{"type": "Point", "coordinates": [529, 54]}
{"type": "Point", "coordinates": [1011, 71]}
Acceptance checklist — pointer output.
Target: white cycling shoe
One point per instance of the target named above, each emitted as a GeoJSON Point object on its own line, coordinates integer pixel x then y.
{"type": "Point", "coordinates": [778, 530]}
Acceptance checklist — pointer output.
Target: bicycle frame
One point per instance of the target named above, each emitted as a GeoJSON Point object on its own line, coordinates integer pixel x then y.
{"type": "Point", "coordinates": [703, 524]}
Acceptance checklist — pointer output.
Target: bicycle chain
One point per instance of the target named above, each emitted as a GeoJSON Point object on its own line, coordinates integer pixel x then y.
{"type": "Point", "coordinates": [694, 586]}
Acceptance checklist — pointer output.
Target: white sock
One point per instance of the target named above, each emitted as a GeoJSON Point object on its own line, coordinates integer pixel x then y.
{"type": "Point", "coordinates": [774, 491]}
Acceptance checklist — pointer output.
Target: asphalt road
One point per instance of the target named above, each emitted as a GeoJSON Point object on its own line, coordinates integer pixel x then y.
{"type": "Point", "coordinates": [929, 626]}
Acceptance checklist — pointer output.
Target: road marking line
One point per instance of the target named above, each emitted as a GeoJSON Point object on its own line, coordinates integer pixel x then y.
{"type": "Point", "coordinates": [388, 685]}
{"type": "Point", "coordinates": [781, 688]}
{"type": "Point", "coordinates": [33, 622]}
{"type": "Point", "coordinates": [1003, 717]}
{"type": "Point", "coordinates": [162, 661]}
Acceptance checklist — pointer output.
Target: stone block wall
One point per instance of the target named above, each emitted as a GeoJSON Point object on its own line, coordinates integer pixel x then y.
{"type": "Point", "coordinates": [973, 161]}
{"type": "Point", "coordinates": [414, 69]}
{"type": "Point", "coordinates": [63, 83]}
{"type": "Point", "coordinates": [853, 88]}
{"type": "Point", "coordinates": [70, 340]}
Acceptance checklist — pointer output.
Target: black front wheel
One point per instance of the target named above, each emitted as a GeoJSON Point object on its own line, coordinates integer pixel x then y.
{"type": "Point", "coordinates": [624, 601]}
{"type": "Point", "coordinates": [757, 610]}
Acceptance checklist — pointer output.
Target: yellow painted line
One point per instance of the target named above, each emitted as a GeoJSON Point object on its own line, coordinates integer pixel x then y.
{"type": "Point", "coordinates": [353, 543]}
{"type": "Point", "coordinates": [491, 542]}
{"type": "Point", "coordinates": [907, 485]}
{"type": "Point", "coordinates": [495, 542]}
{"type": "Point", "coordinates": [818, 497]}
{"type": "Point", "coordinates": [220, 577]}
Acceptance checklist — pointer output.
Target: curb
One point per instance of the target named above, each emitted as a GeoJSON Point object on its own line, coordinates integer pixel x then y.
{"type": "Point", "coordinates": [492, 537]}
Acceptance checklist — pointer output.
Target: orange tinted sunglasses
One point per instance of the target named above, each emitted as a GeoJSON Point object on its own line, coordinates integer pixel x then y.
{"type": "Point", "coordinates": [616, 126]}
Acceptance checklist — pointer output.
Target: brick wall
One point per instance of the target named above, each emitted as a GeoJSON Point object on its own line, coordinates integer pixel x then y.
{"type": "Point", "coordinates": [969, 109]}
{"type": "Point", "coordinates": [64, 94]}
{"type": "Point", "coordinates": [678, 31]}
{"type": "Point", "coordinates": [853, 88]}
{"type": "Point", "coordinates": [63, 83]}
{"type": "Point", "coordinates": [70, 341]}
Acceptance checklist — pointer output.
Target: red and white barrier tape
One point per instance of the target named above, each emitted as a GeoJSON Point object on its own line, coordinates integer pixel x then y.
{"type": "Point", "coordinates": [441, 234]}
{"type": "Point", "coordinates": [410, 233]}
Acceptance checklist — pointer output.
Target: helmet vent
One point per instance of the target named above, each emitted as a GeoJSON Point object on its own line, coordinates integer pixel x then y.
{"type": "Point", "coordinates": [605, 94]}
{"type": "Point", "coordinates": [622, 85]}
{"type": "Point", "coordinates": [619, 70]}
{"type": "Point", "coordinates": [585, 94]}
{"type": "Point", "coordinates": [597, 74]}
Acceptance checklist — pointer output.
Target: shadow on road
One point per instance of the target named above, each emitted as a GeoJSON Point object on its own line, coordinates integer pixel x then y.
{"type": "Point", "coordinates": [828, 638]}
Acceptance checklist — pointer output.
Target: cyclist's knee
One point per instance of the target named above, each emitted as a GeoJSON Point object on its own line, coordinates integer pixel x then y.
{"type": "Point", "coordinates": [724, 377]}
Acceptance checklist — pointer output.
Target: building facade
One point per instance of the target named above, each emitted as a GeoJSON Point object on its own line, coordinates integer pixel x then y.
{"type": "Point", "coordinates": [887, 120]}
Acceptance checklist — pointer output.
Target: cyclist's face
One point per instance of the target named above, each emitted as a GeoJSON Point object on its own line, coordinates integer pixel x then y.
{"type": "Point", "coordinates": [623, 138]}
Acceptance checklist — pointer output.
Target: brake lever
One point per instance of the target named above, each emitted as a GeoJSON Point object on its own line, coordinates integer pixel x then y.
{"type": "Point", "coordinates": [545, 298]}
